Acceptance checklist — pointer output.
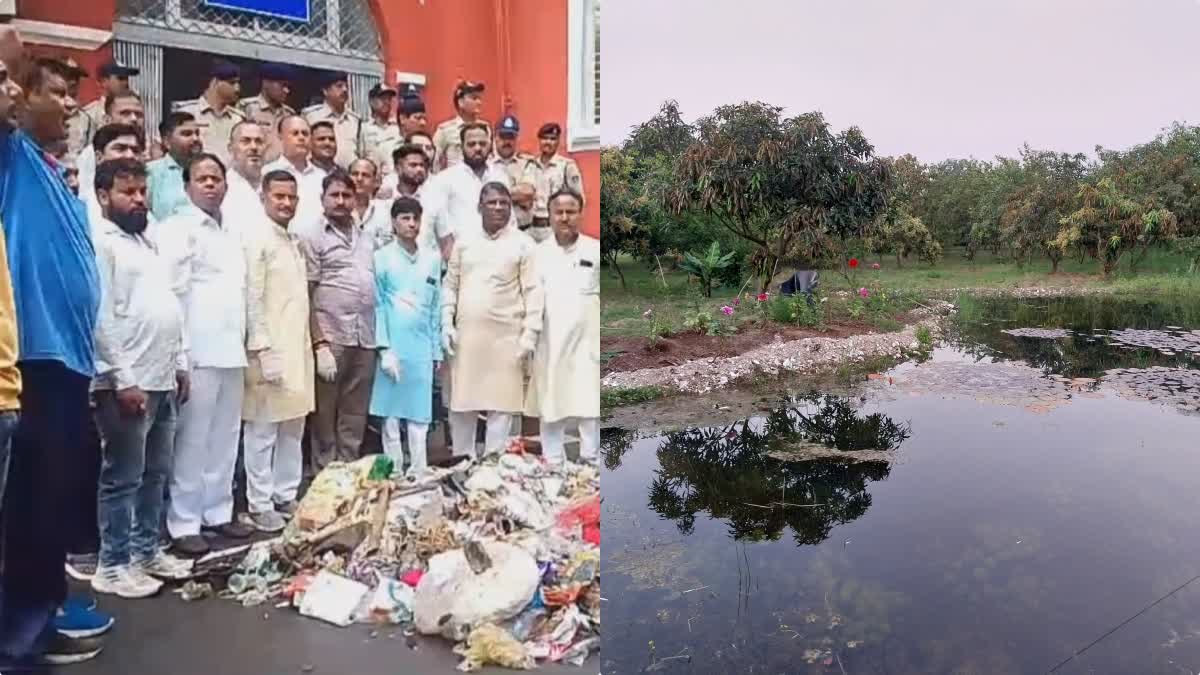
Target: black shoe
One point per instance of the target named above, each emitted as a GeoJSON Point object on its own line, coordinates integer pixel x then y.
{"type": "Point", "coordinates": [234, 530]}
{"type": "Point", "coordinates": [192, 545]}
{"type": "Point", "coordinates": [65, 650]}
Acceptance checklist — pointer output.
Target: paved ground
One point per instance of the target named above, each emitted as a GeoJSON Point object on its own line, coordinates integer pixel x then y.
{"type": "Point", "coordinates": [166, 635]}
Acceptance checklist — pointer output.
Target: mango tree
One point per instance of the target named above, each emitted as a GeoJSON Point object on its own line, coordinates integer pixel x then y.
{"type": "Point", "coordinates": [1110, 224]}
{"type": "Point", "coordinates": [790, 187]}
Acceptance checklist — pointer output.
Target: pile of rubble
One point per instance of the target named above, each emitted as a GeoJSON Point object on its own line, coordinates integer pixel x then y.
{"type": "Point", "coordinates": [500, 556]}
{"type": "Point", "coordinates": [806, 355]}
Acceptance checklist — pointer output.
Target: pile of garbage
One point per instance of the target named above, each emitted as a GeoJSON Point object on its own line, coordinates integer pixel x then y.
{"type": "Point", "coordinates": [499, 555]}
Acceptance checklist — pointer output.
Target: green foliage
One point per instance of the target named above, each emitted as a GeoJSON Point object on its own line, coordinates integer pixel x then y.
{"type": "Point", "coordinates": [615, 398]}
{"type": "Point", "coordinates": [1111, 223]}
{"type": "Point", "coordinates": [659, 329]}
{"type": "Point", "coordinates": [1043, 196]}
{"type": "Point", "coordinates": [1190, 247]}
{"type": "Point", "coordinates": [924, 338]}
{"type": "Point", "coordinates": [707, 267]}
{"type": "Point", "coordinates": [795, 310]}
{"type": "Point", "coordinates": [789, 187]}
{"type": "Point", "coordinates": [902, 234]}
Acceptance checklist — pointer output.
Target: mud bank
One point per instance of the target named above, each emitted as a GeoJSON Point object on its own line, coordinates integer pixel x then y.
{"type": "Point", "coordinates": [807, 355]}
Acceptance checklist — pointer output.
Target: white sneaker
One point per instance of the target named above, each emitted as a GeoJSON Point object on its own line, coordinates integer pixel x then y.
{"type": "Point", "coordinates": [124, 581]}
{"type": "Point", "coordinates": [164, 566]}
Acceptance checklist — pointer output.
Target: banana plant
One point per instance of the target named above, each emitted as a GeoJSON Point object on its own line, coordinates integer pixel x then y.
{"type": "Point", "coordinates": [706, 268]}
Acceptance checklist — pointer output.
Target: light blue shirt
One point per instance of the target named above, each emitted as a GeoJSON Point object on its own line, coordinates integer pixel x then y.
{"type": "Point", "coordinates": [407, 322]}
{"type": "Point", "coordinates": [164, 181]}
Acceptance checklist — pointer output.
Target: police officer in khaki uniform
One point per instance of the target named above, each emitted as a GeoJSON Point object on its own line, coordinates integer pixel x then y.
{"type": "Point", "coordinates": [79, 126]}
{"type": "Point", "coordinates": [410, 112]}
{"type": "Point", "coordinates": [216, 110]}
{"type": "Point", "coordinates": [548, 172]}
{"type": "Point", "coordinates": [336, 109]}
{"type": "Point", "coordinates": [447, 139]}
{"type": "Point", "coordinates": [270, 106]}
{"type": "Point", "coordinates": [513, 163]}
{"type": "Point", "coordinates": [380, 135]}
{"type": "Point", "coordinates": [114, 81]}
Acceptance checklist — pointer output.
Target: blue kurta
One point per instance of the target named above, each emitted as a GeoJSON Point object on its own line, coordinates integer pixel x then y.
{"type": "Point", "coordinates": [407, 322]}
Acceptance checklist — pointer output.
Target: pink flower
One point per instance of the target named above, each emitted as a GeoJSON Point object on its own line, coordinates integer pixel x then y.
{"type": "Point", "coordinates": [853, 262]}
{"type": "Point", "coordinates": [874, 266]}
{"type": "Point", "coordinates": [727, 310]}
{"type": "Point", "coordinates": [762, 297]}
{"type": "Point", "coordinates": [737, 301]}
{"type": "Point", "coordinates": [864, 292]}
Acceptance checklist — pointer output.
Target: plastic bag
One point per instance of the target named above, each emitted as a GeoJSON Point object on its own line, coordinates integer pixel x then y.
{"type": "Point", "coordinates": [450, 597]}
{"type": "Point", "coordinates": [582, 515]}
{"type": "Point", "coordinates": [332, 598]}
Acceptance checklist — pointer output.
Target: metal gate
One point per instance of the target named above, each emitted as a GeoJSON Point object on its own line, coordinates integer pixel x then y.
{"type": "Point", "coordinates": [339, 35]}
{"type": "Point", "coordinates": [148, 83]}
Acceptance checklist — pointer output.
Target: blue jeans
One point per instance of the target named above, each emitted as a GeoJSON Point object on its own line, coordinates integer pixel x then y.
{"type": "Point", "coordinates": [8, 424]}
{"type": "Point", "coordinates": [137, 463]}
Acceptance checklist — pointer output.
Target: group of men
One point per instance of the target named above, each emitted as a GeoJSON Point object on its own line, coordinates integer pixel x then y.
{"type": "Point", "coordinates": [269, 271]}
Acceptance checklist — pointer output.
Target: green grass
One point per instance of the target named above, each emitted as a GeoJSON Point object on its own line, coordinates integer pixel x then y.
{"type": "Point", "coordinates": [615, 398]}
{"type": "Point", "coordinates": [621, 314]}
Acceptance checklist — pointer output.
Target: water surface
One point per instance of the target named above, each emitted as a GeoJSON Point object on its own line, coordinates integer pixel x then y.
{"type": "Point", "coordinates": [995, 508]}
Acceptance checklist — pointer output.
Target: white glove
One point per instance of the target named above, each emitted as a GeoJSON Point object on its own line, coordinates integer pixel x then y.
{"type": "Point", "coordinates": [528, 345]}
{"type": "Point", "coordinates": [449, 340]}
{"type": "Point", "coordinates": [389, 364]}
{"type": "Point", "coordinates": [326, 364]}
{"type": "Point", "coordinates": [271, 365]}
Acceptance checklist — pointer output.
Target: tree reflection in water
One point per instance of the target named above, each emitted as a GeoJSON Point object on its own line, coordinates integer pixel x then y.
{"type": "Point", "coordinates": [730, 473]}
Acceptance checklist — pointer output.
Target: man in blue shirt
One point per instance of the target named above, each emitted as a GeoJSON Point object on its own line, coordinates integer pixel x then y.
{"type": "Point", "coordinates": [56, 289]}
{"type": "Point", "coordinates": [181, 135]}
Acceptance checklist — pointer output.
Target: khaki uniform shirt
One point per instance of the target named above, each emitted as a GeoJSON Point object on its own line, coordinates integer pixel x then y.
{"type": "Point", "coordinates": [80, 129]}
{"type": "Point", "coordinates": [447, 142]}
{"type": "Point", "coordinates": [95, 110]}
{"type": "Point", "coordinates": [215, 128]}
{"type": "Point", "coordinates": [345, 127]}
{"type": "Point", "coordinates": [277, 320]}
{"type": "Point", "coordinates": [548, 178]}
{"type": "Point", "coordinates": [259, 109]}
{"type": "Point", "coordinates": [377, 142]}
{"type": "Point", "coordinates": [514, 169]}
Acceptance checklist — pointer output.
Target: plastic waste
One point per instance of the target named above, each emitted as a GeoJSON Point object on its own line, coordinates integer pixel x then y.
{"type": "Point", "coordinates": [558, 632]}
{"type": "Point", "coordinates": [582, 515]}
{"type": "Point", "coordinates": [382, 468]}
{"type": "Point", "coordinates": [392, 602]}
{"type": "Point", "coordinates": [527, 622]}
{"type": "Point", "coordinates": [524, 508]}
{"type": "Point", "coordinates": [412, 577]}
{"type": "Point", "coordinates": [451, 597]}
{"type": "Point", "coordinates": [332, 598]}
{"type": "Point", "coordinates": [484, 479]}
{"type": "Point", "coordinates": [490, 644]}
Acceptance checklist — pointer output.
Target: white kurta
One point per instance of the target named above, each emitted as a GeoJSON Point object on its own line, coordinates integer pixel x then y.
{"type": "Point", "coordinates": [492, 297]}
{"type": "Point", "coordinates": [566, 367]}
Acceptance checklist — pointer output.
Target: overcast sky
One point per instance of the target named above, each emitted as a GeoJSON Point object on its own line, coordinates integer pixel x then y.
{"type": "Point", "coordinates": [937, 78]}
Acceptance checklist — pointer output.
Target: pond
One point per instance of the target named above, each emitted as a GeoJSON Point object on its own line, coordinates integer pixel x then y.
{"type": "Point", "coordinates": [1021, 501]}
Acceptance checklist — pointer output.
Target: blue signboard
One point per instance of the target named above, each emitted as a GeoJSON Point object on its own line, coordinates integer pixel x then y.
{"type": "Point", "coordinates": [294, 10]}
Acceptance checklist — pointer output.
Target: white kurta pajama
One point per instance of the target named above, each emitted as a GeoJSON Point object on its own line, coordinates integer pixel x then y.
{"type": "Point", "coordinates": [566, 368]}
{"type": "Point", "coordinates": [492, 298]}
{"type": "Point", "coordinates": [208, 270]}
{"type": "Point", "coordinates": [277, 329]}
